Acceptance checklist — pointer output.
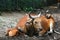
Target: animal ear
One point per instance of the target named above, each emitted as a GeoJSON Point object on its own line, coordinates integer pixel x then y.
{"type": "Point", "coordinates": [28, 17]}
{"type": "Point", "coordinates": [47, 11]}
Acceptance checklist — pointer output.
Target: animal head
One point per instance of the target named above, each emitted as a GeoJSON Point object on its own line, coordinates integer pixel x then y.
{"type": "Point", "coordinates": [44, 24]}
{"type": "Point", "coordinates": [37, 24]}
{"type": "Point", "coordinates": [31, 18]}
{"type": "Point", "coordinates": [29, 24]}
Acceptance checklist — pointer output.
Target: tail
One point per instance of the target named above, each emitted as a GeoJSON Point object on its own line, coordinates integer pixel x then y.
{"type": "Point", "coordinates": [56, 32]}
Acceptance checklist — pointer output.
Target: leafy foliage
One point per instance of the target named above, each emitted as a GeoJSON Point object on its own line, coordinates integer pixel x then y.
{"type": "Point", "coordinates": [25, 5]}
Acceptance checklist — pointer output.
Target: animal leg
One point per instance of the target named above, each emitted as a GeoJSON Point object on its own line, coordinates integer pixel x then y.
{"type": "Point", "coordinates": [41, 33]}
{"type": "Point", "coordinates": [51, 28]}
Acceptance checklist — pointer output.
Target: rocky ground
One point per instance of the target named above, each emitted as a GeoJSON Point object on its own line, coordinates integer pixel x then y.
{"type": "Point", "coordinates": [10, 19]}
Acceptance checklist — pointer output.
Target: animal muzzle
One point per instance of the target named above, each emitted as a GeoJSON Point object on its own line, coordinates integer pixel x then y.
{"type": "Point", "coordinates": [39, 29]}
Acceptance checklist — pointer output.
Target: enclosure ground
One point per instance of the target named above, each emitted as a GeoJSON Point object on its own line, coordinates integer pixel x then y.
{"type": "Point", "coordinates": [10, 19]}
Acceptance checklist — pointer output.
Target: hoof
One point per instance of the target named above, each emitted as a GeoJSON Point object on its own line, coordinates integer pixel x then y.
{"type": "Point", "coordinates": [40, 35]}
{"type": "Point", "coordinates": [49, 33]}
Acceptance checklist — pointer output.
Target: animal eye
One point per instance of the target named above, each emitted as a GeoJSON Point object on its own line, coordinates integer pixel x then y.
{"type": "Point", "coordinates": [36, 22]}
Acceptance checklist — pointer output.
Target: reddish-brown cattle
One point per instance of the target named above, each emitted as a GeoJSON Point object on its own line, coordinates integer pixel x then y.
{"type": "Point", "coordinates": [20, 25]}
{"type": "Point", "coordinates": [43, 24]}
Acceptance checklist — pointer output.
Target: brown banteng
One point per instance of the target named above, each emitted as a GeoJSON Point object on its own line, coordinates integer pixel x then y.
{"type": "Point", "coordinates": [20, 25]}
{"type": "Point", "coordinates": [44, 24]}
{"type": "Point", "coordinates": [23, 26]}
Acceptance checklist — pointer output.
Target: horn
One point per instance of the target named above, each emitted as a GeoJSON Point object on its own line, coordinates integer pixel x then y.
{"type": "Point", "coordinates": [35, 16]}
{"type": "Point", "coordinates": [39, 14]}
{"type": "Point", "coordinates": [30, 15]}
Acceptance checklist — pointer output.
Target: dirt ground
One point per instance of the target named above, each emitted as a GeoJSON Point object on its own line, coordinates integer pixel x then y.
{"type": "Point", "coordinates": [10, 19]}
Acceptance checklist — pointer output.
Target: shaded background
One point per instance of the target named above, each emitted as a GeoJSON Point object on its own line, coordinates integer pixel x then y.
{"type": "Point", "coordinates": [12, 5]}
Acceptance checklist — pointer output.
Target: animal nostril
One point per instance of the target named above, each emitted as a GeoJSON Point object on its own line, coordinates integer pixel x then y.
{"type": "Point", "coordinates": [40, 29]}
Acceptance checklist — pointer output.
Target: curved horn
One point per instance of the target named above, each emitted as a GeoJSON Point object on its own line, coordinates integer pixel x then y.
{"type": "Point", "coordinates": [30, 15]}
{"type": "Point", "coordinates": [39, 14]}
{"type": "Point", "coordinates": [35, 15]}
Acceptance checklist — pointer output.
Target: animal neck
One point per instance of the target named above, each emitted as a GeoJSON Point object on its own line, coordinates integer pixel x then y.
{"type": "Point", "coordinates": [31, 29]}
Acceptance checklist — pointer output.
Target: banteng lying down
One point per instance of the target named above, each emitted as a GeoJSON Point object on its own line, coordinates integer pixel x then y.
{"type": "Point", "coordinates": [44, 24]}
{"type": "Point", "coordinates": [24, 26]}
{"type": "Point", "coordinates": [31, 24]}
